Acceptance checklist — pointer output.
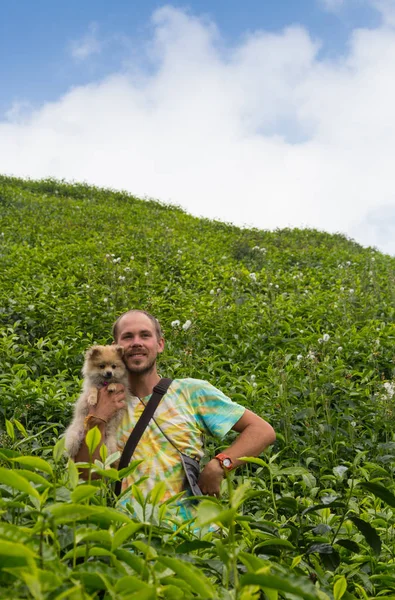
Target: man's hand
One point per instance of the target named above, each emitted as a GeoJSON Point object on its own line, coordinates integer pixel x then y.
{"type": "Point", "coordinates": [211, 477]}
{"type": "Point", "coordinates": [109, 402]}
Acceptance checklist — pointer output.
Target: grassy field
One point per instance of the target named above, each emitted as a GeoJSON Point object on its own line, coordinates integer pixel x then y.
{"type": "Point", "coordinates": [297, 325]}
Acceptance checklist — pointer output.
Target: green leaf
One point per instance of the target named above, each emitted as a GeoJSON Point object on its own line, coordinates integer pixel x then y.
{"type": "Point", "coordinates": [93, 439]}
{"type": "Point", "coordinates": [13, 554]}
{"type": "Point", "coordinates": [34, 477]}
{"type": "Point", "coordinates": [276, 542]}
{"type": "Point", "coordinates": [15, 481]}
{"type": "Point", "coordinates": [83, 492]}
{"type": "Point", "coordinates": [368, 532]}
{"type": "Point", "coordinates": [124, 533]}
{"type": "Point", "coordinates": [157, 493]}
{"type": "Point", "coordinates": [68, 513]}
{"type": "Point", "coordinates": [199, 583]}
{"type": "Point", "coordinates": [35, 463]}
{"type": "Point", "coordinates": [73, 474]}
{"type": "Point", "coordinates": [59, 449]}
{"type": "Point", "coordinates": [380, 491]}
{"type": "Point", "coordinates": [348, 544]}
{"type": "Point", "coordinates": [21, 428]}
{"type": "Point", "coordinates": [10, 429]}
{"type": "Point", "coordinates": [130, 583]}
{"type": "Point", "coordinates": [301, 588]}
{"type": "Point", "coordinates": [339, 588]}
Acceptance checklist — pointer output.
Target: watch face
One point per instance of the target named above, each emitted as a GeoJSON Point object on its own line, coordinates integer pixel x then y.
{"type": "Point", "coordinates": [227, 462]}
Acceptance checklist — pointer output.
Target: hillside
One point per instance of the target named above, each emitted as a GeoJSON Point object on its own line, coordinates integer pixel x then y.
{"type": "Point", "coordinates": [297, 325]}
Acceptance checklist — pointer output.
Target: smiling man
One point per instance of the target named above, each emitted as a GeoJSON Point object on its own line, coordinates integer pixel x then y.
{"type": "Point", "coordinates": [189, 409]}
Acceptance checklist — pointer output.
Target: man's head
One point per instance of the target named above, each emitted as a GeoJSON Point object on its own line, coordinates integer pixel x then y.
{"type": "Point", "coordinates": [140, 335]}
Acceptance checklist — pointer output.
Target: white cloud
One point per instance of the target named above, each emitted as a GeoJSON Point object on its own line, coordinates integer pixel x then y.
{"type": "Point", "coordinates": [265, 133]}
{"type": "Point", "coordinates": [87, 46]}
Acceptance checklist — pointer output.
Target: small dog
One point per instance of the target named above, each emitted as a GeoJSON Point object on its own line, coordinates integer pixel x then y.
{"type": "Point", "coordinates": [103, 366]}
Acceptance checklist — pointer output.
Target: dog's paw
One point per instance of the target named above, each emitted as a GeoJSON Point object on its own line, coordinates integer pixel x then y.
{"type": "Point", "coordinates": [92, 397]}
{"type": "Point", "coordinates": [112, 387]}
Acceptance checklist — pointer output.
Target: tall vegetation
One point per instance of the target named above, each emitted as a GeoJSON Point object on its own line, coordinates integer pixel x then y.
{"type": "Point", "coordinates": [297, 325]}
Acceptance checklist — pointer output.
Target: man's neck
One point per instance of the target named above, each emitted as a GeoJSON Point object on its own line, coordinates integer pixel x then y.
{"type": "Point", "coordinates": [142, 385]}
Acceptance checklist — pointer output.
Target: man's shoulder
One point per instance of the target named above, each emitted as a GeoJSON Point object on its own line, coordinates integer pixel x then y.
{"type": "Point", "coordinates": [190, 383]}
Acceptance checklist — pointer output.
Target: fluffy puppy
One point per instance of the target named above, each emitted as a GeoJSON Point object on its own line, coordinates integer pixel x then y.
{"type": "Point", "coordinates": [103, 366]}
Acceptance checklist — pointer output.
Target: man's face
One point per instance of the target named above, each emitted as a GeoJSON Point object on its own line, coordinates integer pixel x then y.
{"type": "Point", "coordinates": [136, 334]}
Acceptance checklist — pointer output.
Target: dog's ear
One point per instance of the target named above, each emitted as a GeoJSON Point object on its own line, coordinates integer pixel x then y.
{"type": "Point", "coordinates": [119, 350]}
{"type": "Point", "coordinates": [92, 352]}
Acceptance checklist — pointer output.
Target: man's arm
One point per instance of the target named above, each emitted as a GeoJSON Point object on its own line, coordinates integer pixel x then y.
{"type": "Point", "coordinates": [255, 435]}
{"type": "Point", "coordinates": [108, 403]}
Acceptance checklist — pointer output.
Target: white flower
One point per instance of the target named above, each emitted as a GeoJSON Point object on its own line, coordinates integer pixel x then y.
{"type": "Point", "coordinates": [326, 337]}
{"type": "Point", "coordinates": [132, 257]}
{"type": "Point", "coordinates": [372, 259]}
{"type": "Point", "coordinates": [340, 348]}
{"type": "Point", "coordinates": [348, 263]}
{"type": "Point", "coordinates": [116, 260]}
{"type": "Point", "coordinates": [146, 273]}
{"type": "Point", "coordinates": [121, 278]}
{"type": "Point", "coordinates": [187, 325]}
{"type": "Point", "coordinates": [253, 276]}
{"type": "Point", "coordinates": [212, 292]}
{"type": "Point", "coordinates": [389, 388]}
{"type": "Point", "coordinates": [351, 290]}
{"type": "Point", "coordinates": [276, 286]}
{"type": "Point", "coordinates": [30, 307]}
{"type": "Point", "coordinates": [127, 269]}
{"type": "Point", "coordinates": [254, 384]}
{"type": "Point", "coordinates": [175, 323]}
{"type": "Point", "coordinates": [353, 424]}
{"type": "Point", "coordinates": [263, 249]}
{"type": "Point", "coordinates": [253, 377]}
{"type": "Point", "coordinates": [299, 357]}
{"type": "Point", "coordinates": [320, 340]}
{"type": "Point", "coordinates": [105, 299]}
{"type": "Point", "coordinates": [311, 355]}
{"type": "Point", "coordinates": [179, 251]}
{"type": "Point", "coordinates": [218, 290]}
{"type": "Point", "coordinates": [233, 279]}
{"type": "Point", "coordinates": [342, 289]}
{"type": "Point", "coordinates": [256, 248]}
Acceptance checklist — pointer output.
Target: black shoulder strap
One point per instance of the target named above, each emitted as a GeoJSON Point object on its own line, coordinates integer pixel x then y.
{"type": "Point", "coordinates": [158, 392]}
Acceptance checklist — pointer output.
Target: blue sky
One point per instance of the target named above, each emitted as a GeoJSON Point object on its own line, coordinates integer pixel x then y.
{"type": "Point", "coordinates": [36, 64]}
{"type": "Point", "coordinates": [263, 113]}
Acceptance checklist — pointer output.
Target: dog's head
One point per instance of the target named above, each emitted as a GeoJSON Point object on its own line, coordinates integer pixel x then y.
{"type": "Point", "coordinates": [104, 364]}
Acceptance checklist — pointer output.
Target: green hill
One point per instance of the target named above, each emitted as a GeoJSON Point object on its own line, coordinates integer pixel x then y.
{"type": "Point", "coordinates": [297, 325]}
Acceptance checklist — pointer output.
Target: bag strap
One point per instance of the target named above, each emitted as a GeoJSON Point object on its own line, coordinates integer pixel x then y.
{"type": "Point", "coordinates": [158, 392]}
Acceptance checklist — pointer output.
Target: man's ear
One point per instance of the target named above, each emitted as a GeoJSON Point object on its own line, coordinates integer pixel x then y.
{"type": "Point", "coordinates": [161, 345]}
{"type": "Point", "coordinates": [92, 352]}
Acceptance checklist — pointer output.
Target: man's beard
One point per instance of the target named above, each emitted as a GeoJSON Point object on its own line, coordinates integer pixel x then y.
{"type": "Point", "coordinates": [143, 369]}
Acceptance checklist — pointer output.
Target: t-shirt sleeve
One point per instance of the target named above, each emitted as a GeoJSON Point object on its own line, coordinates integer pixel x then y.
{"type": "Point", "coordinates": [215, 412]}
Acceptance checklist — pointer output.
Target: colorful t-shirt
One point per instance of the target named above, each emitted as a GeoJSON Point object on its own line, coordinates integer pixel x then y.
{"type": "Point", "coordinates": [190, 408]}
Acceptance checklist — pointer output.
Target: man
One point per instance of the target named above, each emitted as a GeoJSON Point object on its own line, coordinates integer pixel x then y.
{"type": "Point", "coordinates": [189, 409]}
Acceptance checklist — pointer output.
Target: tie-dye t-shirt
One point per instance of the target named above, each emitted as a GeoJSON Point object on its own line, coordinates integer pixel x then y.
{"type": "Point", "coordinates": [189, 409]}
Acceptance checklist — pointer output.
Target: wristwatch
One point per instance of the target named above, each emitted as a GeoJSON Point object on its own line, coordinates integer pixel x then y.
{"type": "Point", "coordinates": [225, 461]}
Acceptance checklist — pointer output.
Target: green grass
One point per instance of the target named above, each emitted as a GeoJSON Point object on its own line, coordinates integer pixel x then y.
{"type": "Point", "coordinates": [297, 325]}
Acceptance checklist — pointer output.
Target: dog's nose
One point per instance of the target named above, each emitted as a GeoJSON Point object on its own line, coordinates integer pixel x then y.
{"type": "Point", "coordinates": [108, 374]}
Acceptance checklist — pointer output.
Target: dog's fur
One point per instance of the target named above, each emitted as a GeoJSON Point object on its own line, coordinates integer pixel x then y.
{"type": "Point", "coordinates": [103, 366]}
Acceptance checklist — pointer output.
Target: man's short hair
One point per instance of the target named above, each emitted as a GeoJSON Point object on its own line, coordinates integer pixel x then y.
{"type": "Point", "coordinates": [154, 320]}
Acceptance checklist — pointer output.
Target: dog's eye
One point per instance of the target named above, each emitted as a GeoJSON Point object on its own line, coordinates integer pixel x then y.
{"type": "Point", "coordinates": [102, 366]}
{"type": "Point", "coordinates": [114, 366]}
